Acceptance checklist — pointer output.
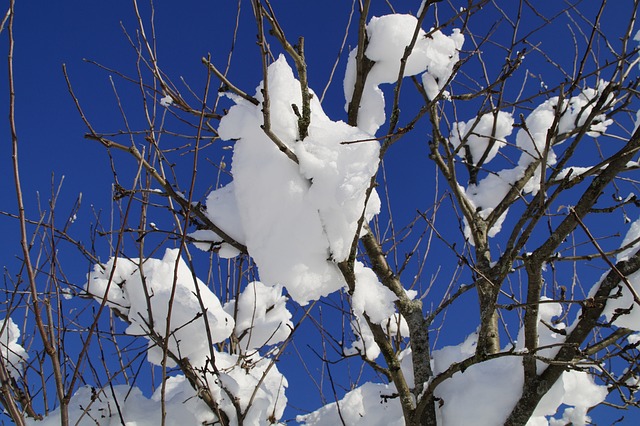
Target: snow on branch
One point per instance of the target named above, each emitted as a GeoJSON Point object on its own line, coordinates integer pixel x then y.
{"type": "Point", "coordinates": [297, 220]}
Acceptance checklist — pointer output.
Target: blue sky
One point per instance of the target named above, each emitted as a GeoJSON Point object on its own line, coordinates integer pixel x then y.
{"type": "Point", "coordinates": [52, 146]}
{"type": "Point", "coordinates": [49, 34]}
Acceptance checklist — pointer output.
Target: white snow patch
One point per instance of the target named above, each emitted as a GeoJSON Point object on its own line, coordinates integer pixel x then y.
{"type": "Point", "coordinates": [142, 291]}
{"type": "Point", "coordinates": [222, 210]}
{"type": "Point", "coordinates": [617, 306]}
{"type": "Point", "coordinates": [111, 406]}
{"type": "Point", "coordinates": [371, 296]}
{"type": "Point", "coordinates": [261, 316]}
{"type": "Point", "coordinates": [13, 354]}
{"type": "Point", "coordinates": [532, 140]}
{"type": "Point", "coordinates": [369, 404]}
{"type": "Point", "coordinates": [296, 220]}
{"type": "Point", "coordinates": [364, 343]}
{"type": "Point", "coordinates": [485, 392]}
{"type": "Point", "coordinates": [573, 172]}
{"type": "Point", "coordinates": [166, 101]}
{"type": "Point", "coordinates": [106, 407]}
{"type": "Point", "coordinates": [434, 55]}
{"type": "Point", "coordinates": [486, 133]}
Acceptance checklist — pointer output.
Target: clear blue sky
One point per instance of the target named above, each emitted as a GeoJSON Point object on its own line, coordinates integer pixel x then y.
{"type": "Point", "coordinates": [50, 33]}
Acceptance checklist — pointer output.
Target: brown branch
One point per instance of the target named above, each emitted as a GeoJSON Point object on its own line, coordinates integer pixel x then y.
{"type": "Point", "coordinates": [49, 347]}
{"type": "Point", "coordinates": [266, 107]}
{"type": "Point", "coordinates": [623, 278]}
{"type": "Point", "coordinates": [363, 66]}
{"type": "Point", "coordinates": [227, 84]}
{"type": "Point", "coordinates": [198, 210]}
{"type": "Point", "coordinates": [535, 389]}
{"type": "Point", "coordinates": [297, 54]}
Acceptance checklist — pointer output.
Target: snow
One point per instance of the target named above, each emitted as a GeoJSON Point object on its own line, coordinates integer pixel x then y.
{"type": "Point", "coordinates": [476, 135]}
{"type": "Point", "coordinates": [121, 404]}
{"type": "Point", "coordinates": [490, 389]}
{"type": "Point", "coordinates": [13, 354]}
{"type": "Point", "coordinates": [371, 296]}
{"type": "Point", "coordinates": [222, 210]}
{"type": "Point", "coordinates": [621, 307]}
{"type": "Point", "coordinates": [364, 343]}
{"type": "Point", "coordinates": [241, 378]}
{"type": "Point", "coordinates": [573, 172]}
{"type": "Point", "coordinates": [166, 101]}
{"type": "Point", "coordinates": [105, 407]}
{"type": "Point", "coordinates": [297, 220]}
{"type": "Point", "coordinates": [485, 392]}
{"type": "Point", "coordinates": [442, 55]}
{"type": "Point", "coordinates": [630, 238]}
{"type": "Point", "coordinates": [575, 389]}
{"type": "Point", "coordinates": [127, 286]}
{"type": "Point", "coordinates": [369, 404]}
{"type": "Point", "coordinates": [532, 141]}
{"type": "Point", "coordinates": [261, 316]}
{"type": "Point", "coordinates": [340, 176]}
{"type": "Point", "coordinates": [262, 319]}
{"type": "Point", "coordinates": [434, 55]}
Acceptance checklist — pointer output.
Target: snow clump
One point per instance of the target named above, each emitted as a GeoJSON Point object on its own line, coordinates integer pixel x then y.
{"type": "Point", "coordinates": [261, 316]}
{"type": "Point", "coordinates": [434, 54]}
{"type": "Point", "coordinates": [12, 353]}
{"type": "Point", "coordinates": [142, 290]}
{"type": "Point", "coordinates": [485, 392]}
{"type": "Point", "coordinates": [482, 136]}
{"type": "Point", "coordinates": [297, 220]}
{"type": "Point", "coordinates": [531, 140]}
{"type": "Point", "coordinates": [621, 308]}
{"type": "Point", "coordinates": [122, 404]}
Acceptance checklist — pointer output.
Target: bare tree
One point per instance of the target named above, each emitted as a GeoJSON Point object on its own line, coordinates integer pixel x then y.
{"type": "Point", "coordinates": [533, 157]}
